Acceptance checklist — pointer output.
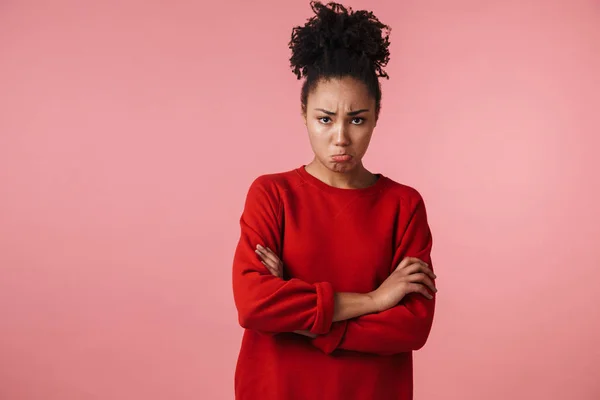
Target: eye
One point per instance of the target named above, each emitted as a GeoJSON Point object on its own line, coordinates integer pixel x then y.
{"type": "Point", "coordinates": [358, 120]}
{"type": "Point", "coordinates": [324, 120]}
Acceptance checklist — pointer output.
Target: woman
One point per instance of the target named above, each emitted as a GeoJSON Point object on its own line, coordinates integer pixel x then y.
{"type": "Point", "coordinates": [332, 275]}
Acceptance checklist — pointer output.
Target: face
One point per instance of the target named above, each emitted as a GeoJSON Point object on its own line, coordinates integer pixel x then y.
{"type": "Point", "coordinates": [340, 118]}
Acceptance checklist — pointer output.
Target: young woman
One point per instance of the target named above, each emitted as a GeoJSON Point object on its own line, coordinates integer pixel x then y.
{"type": "Point", "coordinates": [332, 275]}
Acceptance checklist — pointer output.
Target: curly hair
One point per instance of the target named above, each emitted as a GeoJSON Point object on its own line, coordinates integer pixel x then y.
{"type": "Point", "coordinates": [338, 42]}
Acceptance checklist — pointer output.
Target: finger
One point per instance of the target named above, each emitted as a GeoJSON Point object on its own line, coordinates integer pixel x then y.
{"type": "Point", "coordinates": [420, 267]}
{"type": "Point", "coordinates": [417, 288]}
{"type": "Point", "coordinates": [411, 265]}
{"type": "Point", "coordinates": [261, 253]}
{"type": "Point", "coordinates": [423, 279]}
{"type": "Point", "coordinates": [406, 261]}
{"type": "Point", "coordinates": [269, 253]}
{"type": "Point", "coordinates": [275, 257]}
{"type": "Point", "coordinates": [264, 254]}
{"type": "Point", "coordinates": [269, 262]}
{"type": "Point", "coordinates": [428, 270]}
{"type": "Point", "coordinates": [273, 271]}
{"type": "Point", "coordinates": [266, 260]}
{"type": "Point", "coordinates": [274, 261]}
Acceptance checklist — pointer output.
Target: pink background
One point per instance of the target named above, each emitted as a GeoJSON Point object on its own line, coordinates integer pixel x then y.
{"type": "Point", "coordinates": [130, 131]}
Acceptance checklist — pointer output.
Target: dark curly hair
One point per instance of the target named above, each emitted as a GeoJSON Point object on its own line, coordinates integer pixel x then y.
{"type": "Point", "coordinates": [338, 42]}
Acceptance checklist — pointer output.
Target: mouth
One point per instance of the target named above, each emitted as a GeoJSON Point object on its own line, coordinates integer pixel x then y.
{"type": "Point", "coordinates": [342, 157]}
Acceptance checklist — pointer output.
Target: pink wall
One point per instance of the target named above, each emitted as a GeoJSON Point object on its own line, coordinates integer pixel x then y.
{"type": "Point", "coordinates": [130, 131]}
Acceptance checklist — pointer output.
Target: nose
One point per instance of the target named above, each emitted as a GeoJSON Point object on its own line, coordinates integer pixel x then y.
{"type": "Point", "coordinates": [341, 136]}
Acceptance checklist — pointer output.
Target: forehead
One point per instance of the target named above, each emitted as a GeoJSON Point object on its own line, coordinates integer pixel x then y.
{"type": "Point", "coordinates": [346, 92]}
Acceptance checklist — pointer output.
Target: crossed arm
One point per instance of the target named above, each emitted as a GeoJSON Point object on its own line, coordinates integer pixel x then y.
{"type": "Point", "coordinates": [393, 322]}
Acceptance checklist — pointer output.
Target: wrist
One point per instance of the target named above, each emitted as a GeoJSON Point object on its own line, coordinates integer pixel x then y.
{"type": "Point", "coordinates": [352, 305]}
{"type": "Point", "coordinates": [371, 300]}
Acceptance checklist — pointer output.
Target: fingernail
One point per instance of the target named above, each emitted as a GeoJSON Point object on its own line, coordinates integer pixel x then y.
{"type": "Point", "coordinates": [258, 246]}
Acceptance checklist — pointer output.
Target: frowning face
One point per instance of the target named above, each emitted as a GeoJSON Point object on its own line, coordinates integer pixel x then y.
{"type": "Point", "coordinates": [340, 117]}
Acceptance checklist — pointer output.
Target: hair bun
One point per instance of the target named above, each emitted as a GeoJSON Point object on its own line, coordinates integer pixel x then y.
{"type": "Point", "coordinates": [335, 28]}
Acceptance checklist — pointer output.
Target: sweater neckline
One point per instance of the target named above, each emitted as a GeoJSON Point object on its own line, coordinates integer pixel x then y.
{"type": "Point", "coordinates": [340, 191]}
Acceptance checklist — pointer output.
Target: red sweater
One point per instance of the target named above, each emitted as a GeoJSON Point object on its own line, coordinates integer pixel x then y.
{"type": "Point", "coordinates": [330, 240]}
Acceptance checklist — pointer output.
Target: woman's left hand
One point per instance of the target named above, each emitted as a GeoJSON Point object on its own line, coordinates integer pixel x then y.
{"type": "Point", "coordinates": [275, 267]}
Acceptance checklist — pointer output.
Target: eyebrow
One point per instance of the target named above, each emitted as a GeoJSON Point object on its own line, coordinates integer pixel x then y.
{"type": "Point", "coordinates": [351, 113]}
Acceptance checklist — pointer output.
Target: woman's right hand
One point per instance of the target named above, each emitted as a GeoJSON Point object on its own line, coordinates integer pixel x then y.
{"type": "Point", "coordinates": [411, 276]}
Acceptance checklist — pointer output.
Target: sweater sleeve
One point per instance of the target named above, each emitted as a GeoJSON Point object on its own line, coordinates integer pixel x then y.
{"type": "Point", "coordinates": [402, 328]}
{"type": "Point", "coordinates": [264, 302]}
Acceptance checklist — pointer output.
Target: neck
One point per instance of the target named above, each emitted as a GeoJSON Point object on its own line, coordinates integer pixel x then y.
{"type": "Point", "coordinates": [357, 178]}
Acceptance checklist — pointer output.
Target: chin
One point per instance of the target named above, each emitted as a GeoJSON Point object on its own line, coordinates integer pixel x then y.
{"type": "Point", "coordinates": [342, 166]}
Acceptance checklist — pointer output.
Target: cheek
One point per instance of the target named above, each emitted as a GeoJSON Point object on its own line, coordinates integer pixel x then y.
{"type": "Point", "coordinates": [366, 137]}
{"type": "Point", "coordinates": [317, 132]}
{"type": "Point", "coordinates": [363, 139]}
